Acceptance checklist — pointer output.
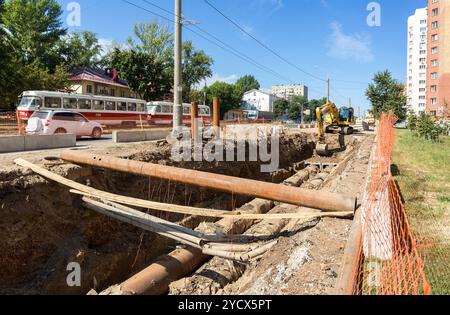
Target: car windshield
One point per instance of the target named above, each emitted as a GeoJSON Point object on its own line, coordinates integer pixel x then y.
{"type": "Point", "coordinates": [41, 115]}
{"type": "Point", "coordinates": [29, 101]}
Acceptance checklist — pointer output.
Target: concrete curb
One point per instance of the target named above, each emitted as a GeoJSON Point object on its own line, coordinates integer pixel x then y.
{"type": "Point", "coordinates": [139, 136]}
{"type": "Point", "coordinates": [38, 142]}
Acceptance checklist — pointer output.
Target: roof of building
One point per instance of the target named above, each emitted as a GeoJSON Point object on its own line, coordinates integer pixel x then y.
{"type": "Point", "coordinates": [255, 90]}
{"type": "Point", "coordinates": [97, 75]}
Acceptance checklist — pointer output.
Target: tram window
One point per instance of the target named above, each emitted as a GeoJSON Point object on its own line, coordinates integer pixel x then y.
{"type": "Point", "coordinates": [132, 107]}
{"type": "Point", "coordinates": [166, 109]}
{"type": "Point", "coordinates": [186, 110]}
{"type": "Point", "coordinates": [70, 103]}
{"type": "Point", "coordinates": [98, 105]}
{"type": "Point", "coordinates": [122, 106]}
{"type": "Point", "coordinates": [110, 105]}
{"type": "Point", "coordinates": [84, 104]}
{"type": "Point", "coordinates": [204, 111]}
{"type": "Point", "coordinates": [140, 107]}
{"type": "Point", "coordinates": [52, 102]}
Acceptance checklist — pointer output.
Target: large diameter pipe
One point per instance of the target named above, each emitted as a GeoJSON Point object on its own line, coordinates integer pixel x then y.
{"type": "Point", "coordinates": [292, 195]}
{"type": "Point", "coordinates": [155, 279]}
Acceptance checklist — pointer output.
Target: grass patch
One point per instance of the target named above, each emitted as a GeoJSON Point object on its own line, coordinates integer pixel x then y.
{"type": "Point", "coordinates": [422, 171]}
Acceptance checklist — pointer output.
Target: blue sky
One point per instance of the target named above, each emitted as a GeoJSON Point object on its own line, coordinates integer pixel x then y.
{"type": "Point", "coordinates": [323, 37]}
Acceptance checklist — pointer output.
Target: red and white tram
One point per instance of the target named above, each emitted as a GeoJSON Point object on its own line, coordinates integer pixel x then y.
{"type": "Point", "coordinates": [161, 113]}
{"type": "Point", "coordinates": [109, 111]}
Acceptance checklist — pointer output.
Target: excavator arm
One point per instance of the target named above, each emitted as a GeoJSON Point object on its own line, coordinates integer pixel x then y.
{"type": "Point", "coordinates": [327, 109]}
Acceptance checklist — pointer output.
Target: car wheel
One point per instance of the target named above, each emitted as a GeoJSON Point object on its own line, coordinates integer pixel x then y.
{"type": "Point", "coordinates": [60, 131]}
{"type": "Point", "coordinates": [97, 133]}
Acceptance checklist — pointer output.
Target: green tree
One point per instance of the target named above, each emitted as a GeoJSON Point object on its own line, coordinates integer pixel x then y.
{"type": "Point", "coordinates": [146, 75]}
{"type": "Point", "coordinates": [280, 107]}
{"type": "Point", "coordinates": [385, 94]}
{"type": "Point", "coordinates": [147, 64]}
{"type": "Point", "coordinates": [32, 77]}
{"type": "Point", "coordinates": [313, 105]}
{"type": "Point", "coordinates": [36, 28]}
{"type": "Point", "coordinates": [81, 50]}
{"type": "Point", "coordinates": [247, 83]}
{"type": "Point", "coordinates": [196, 67]}
{"type": "Point", "coordinates": [230, 96]}
{"type": "Point", "coordinates": [297, 104]}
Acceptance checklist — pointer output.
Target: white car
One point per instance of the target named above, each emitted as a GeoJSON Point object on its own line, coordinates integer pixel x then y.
{"type": "Point", "coordinates": [49, 122]}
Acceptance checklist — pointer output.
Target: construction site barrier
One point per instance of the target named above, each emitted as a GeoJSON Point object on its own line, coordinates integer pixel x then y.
{"type": "Point", "coordinates": [386, 259]}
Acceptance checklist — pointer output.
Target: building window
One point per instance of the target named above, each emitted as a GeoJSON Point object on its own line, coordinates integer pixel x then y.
{"type": "Point", "coordinates": [434, 63]}
{"type": "Point", "coordinates": [434, 50]}
{"type": "Point", "coordinates": [433, 101]}
{"type": "Point", "coordinates": [435, 12]}
{"type": "Point", "coordinates": [434, 37]}
{"type": "Point", "coordinates": [433, 88]}
{"type": "Point", "coordinates": [433, 75]}
{"type": "Point", "coordinates": [89, 89]}
{"type": "Point", "coordinates": [434, 25]}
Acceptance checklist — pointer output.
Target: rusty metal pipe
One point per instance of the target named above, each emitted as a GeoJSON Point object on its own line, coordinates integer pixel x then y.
{"type": "Point", "coordinates": [194, 117]}
{"type": "Point", "coordinates": [292, 195]}
{"type": "Point", "coordinates": [216, 116]}
{"type": "Point", "coordinates": [155, 279]}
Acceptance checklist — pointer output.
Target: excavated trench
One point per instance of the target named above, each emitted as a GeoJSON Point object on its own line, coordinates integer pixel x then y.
{"type": "Point", "coordinates": [43, 227]}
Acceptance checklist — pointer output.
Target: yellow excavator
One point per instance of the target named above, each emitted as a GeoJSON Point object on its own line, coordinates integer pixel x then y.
{"type": "Point", "coordinates": [330, 119]}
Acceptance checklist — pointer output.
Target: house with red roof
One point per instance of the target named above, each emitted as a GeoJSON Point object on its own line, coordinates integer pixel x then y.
{"type": "Point", "coordinates": [95, 81]}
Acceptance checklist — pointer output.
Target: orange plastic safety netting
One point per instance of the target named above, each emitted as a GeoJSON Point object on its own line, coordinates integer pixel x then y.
{"type": "Point", "coordinates": [389, 260]}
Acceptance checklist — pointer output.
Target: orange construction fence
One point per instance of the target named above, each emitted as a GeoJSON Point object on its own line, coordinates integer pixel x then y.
{"type": "Point", "coordinates": [388, 262]}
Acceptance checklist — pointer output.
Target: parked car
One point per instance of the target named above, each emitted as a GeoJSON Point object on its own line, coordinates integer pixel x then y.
{"type": "Point", "coordinates": [49, 122]}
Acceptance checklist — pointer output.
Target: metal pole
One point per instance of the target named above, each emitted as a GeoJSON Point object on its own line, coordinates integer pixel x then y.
{"type": "Point", "coordinates": [216, 116]}
{"type": "Point", "coordinates": [177, 88]}
{"type": "Point", "coordinates": [328, 90]}
{"type": "Point", "coordinates": [194, 117]}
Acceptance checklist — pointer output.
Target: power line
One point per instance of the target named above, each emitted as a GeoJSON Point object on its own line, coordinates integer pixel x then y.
{"type": "Point", "coordinates": [262, 44]}
{"type": "Point", "coordinates": [230, 49]}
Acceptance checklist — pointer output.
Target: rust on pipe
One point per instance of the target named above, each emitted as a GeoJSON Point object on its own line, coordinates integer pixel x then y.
{"type": "Point", "coordinates": [292, 195]}
{"type": "Point", "coordinates": [194, 118]}
{"type": "Point", "coordinates": [155, 279]}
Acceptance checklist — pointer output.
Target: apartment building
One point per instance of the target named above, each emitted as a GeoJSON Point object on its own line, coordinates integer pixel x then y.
{"type": "Point", "coordinates": [438, 72]}
{"type": "Point", "coordinates": [287, 91]}
{"type": "Point", "coordinates": [259, 100]}
{"type": "Point", "coordinates": [416, 87]}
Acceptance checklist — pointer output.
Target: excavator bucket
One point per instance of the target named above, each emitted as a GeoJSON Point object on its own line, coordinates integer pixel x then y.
{"type": "Point", "coordinates": [322, 149]}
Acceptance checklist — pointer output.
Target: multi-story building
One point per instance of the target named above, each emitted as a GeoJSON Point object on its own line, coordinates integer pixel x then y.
{"type": "Point", "coordinates": [287, 91]}
{"type": "Point", "coordinates": [438, 72]}
{"type": "Point", "coordinates": [417, 62]}
{"type": "Point", "coordinates": [259, 100]}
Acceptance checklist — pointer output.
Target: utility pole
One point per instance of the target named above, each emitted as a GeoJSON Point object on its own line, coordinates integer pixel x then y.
{"type": "Point", "coordinates": [328, 90]}
{"type": "Point", "coordinates": [177, 87]}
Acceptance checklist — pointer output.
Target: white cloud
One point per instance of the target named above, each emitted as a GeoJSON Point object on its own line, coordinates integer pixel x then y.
{"type": "Point", "coordinates": [354, 47]}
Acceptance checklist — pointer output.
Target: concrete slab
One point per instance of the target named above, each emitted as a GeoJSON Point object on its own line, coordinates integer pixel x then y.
{"type": "Point", "coordinates": [12, 144]}
{"type": "Point", "coordinates": [139, 136]}
{"type": "Point", "coordinates": [50, 142]}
